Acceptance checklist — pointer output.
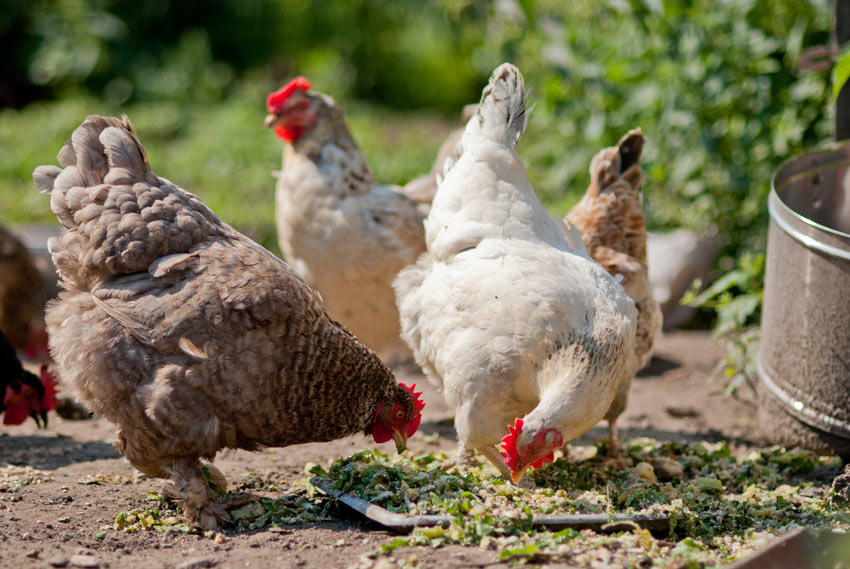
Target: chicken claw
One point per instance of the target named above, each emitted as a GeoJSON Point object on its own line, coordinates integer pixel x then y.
{"type": "Point", "coordinates": [197, 495]}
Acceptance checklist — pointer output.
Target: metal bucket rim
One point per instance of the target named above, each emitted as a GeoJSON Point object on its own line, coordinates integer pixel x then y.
{"type": "Point", "coordinates": [774, 191]}
{"type": "Point", "coordinates": [806, 240]}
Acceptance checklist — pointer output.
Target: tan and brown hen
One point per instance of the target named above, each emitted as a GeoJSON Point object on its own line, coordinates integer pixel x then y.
{"type": "Point", "coordinates": [188, 335]}
{"type": "Point", "coordinates": [610, 219]}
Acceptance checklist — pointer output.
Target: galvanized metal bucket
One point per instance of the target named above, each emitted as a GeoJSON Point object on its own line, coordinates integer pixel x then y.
{"type": "Point", "coordinates": [804, 354]}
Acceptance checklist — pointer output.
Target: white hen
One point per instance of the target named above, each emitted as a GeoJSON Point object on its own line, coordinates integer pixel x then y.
{"type": "Point", "coordinates": [505, 311]}
{"type": "Point", "coordinates": [345, 234]}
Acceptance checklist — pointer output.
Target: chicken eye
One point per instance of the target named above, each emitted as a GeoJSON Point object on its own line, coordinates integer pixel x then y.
{"type": "Point", "coordinates": [300, 106]}
{"type": "Point", "coordinates": [399, 414]}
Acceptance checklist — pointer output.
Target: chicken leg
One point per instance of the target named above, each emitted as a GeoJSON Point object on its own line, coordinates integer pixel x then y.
{"type": "Point", "coordinates": [613, 455]}
{"type": "Point", "coordinates": [196, 495]}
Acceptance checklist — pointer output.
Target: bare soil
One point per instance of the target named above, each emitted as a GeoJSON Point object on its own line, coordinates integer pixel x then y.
{"type": "Point", "coordinates": [81, 483]}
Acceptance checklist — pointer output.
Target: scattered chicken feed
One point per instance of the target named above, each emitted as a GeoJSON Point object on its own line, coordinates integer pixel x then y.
{"type": "Point", "coordinates": [723, 503]}
{"type": "Point", "coordinates": [721, 506]}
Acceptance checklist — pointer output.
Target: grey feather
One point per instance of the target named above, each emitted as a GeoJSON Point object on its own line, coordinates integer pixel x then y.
{"type": "Point", "coordinates": [66, 156]}
{"type": "Point", "coordinates": [44, 177]}
{"type": "Point", "coordinates": [91, 164]}
{"type": "Point", "coordinates": [122, 151]}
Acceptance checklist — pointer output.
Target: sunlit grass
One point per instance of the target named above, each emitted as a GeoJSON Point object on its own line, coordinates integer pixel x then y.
{"type": "Point", "coordinates": [221, 152]}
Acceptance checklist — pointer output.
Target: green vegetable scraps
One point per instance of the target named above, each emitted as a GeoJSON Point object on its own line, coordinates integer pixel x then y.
{"type": "Point", "coordinates": [721, 504]}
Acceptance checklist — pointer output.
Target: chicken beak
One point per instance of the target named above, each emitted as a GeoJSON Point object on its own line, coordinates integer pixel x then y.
{"type": "Point", "coordinates": [271, 120]}
{"type": "Point", "coordinates": [400, 441]}
{"type": "Point", "coordinates": [516, 475]}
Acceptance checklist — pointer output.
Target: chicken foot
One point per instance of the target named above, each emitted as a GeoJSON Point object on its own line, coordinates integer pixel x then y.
{"type": "Point", "coordinates": [196, 496]}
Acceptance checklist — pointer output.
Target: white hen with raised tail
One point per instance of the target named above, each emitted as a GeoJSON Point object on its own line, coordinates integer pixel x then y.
{"type": "Point", "coordinates": [505, 311]}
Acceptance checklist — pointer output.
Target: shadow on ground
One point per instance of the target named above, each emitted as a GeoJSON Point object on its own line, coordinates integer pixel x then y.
{"type": "Point", "coordinates": [51, 452]}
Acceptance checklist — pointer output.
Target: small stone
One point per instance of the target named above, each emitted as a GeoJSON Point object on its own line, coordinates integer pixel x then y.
{"type": "Point", "coordinates": [384, 563]}
{"type": "Point", "coordinates": [33, 554]}
{"type": "Point", "coordinates": [841, 487]}
{"type": "Point", "coordinates": [682, 411]}
{"type": "Point", "coordinates": [645, 471]}
{"type": "Point", "coordinates": [58, 561]}
{"type": "Point", "coordinates": [667, 468]}
{"type": "Point", "coordinates": [86, 561]}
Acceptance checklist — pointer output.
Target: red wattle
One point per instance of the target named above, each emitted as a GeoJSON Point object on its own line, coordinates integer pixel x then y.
{"type": "Point", "coordinates": [548, 458]}
{"type": "Point", "coordinates": [48, 402]}
{"type": "Point", "coordinates": [289, 133]}
{"type": "Point", "coordinates": [16, 408]}
{"type": "Point", "coordinates": [380, 433]}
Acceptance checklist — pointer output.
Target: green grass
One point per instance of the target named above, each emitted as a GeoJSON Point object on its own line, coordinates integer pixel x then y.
{"type": "Point", "coordinates": [220, 151]}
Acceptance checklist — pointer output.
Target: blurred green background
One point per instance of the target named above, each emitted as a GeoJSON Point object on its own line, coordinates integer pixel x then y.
{"type": "Point", "coordinates": [712, 83]}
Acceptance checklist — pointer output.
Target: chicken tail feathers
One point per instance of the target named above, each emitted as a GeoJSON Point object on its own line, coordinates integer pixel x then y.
{"type": "Point", "coordinates": [619, 163]}
{"type": "Point", "coordinates": [99, 151]}
{"type": "Point", "coordinates": [117, 216]}
{"type": "Point", "coordinates": [630, 148]}
{"type": "Point", "coordinates": [502, 115]}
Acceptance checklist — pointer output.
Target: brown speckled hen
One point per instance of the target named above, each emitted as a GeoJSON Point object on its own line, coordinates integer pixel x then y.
{"type": "Point", "coordinates": [188, 335]}
{"type": "Point", "coordinates": [610, 219]}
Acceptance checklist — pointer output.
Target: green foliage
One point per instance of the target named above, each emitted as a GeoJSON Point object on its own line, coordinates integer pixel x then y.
{"type": "Point", "coordinates": [736, 299]}
{"type": "Point", "coordinates": [712, 85]}
{"type": "Point", "coordinates": [124, 50]}
{"type": "Point", "coordinates": [840, 71]}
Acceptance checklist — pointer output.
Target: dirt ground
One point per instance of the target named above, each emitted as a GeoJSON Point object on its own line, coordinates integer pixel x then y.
{"type": "Point", "coordinates": [81, 483]}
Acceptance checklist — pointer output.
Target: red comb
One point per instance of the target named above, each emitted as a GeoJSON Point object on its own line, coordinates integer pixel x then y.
{"type": "Point", "coordinates": [277, 98]}
{"type": "Point", "coordinates": [417, 401]}
{"type": "Point", "coordinates": [48, 402]}
{"type": "Point", "coordinates": [509, 443]}
{"type": "Point", "coordinates": [418, 405]}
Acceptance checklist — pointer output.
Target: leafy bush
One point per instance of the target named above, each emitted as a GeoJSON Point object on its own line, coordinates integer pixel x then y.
{"type": "Point", "coordinates": [402, 54]}
{"type": "Point", "coordinates": [736, 299]}
{"type": "Point", "coordinates": [712, 84]}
